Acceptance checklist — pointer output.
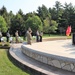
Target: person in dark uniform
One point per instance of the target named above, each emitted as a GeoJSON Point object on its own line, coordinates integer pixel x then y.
{"type": "Point", "coordinates": [0, 35]}
{"type": "Point", "coordinates": [41, 34]}
{"type": "Point", "coordinates": [37, 36]}
{"type": "Point", "coordinates": [8, 36]}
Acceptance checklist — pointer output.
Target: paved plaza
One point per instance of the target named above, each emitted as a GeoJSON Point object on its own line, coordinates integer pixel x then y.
{"type": "Point", "coordinates": [58, 47]}
{"type": "Point", "coordinates": [62, 48]}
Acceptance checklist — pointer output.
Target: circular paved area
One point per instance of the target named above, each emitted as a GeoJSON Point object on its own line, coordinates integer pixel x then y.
{"type": "Point", "coordinates": [59, 47]}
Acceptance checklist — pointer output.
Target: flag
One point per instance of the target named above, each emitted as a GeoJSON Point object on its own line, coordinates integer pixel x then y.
{"type": "Point", "coordinates": [68, 31]}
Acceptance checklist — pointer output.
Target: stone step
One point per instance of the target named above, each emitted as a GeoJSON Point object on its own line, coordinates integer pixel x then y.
{"type": "Point", "coordinates": [33, 66]}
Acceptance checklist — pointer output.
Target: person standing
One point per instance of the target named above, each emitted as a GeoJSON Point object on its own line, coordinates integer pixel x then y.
{"type": "Point", "coordinates": [16, 35]}
{"type": "Point", "coordinates": [41, 34]}
{"type": "Point", "coordinates": [37, 36]}
{"type": "Point", "coordinates": [8, 36]}
{"type": "Point", "coordinates": [29, 36]}
{"type": "Point", "coordinates": [0, 35]}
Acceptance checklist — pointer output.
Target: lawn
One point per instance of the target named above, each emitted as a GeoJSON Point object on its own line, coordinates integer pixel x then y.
{"type": "Point", "coordinates": [7, 67]}
{"type": "Point", "coordinates": [55, 36]}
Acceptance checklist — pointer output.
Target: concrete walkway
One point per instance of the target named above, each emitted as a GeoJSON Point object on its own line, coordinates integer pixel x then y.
{"type": "Point", "coordinates": [49, 70]}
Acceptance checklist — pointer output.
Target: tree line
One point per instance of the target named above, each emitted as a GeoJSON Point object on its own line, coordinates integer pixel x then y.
{"type": "Point", "coordinates": [49, 20]}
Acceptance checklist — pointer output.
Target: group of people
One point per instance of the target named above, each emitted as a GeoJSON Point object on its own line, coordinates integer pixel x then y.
{"type": "Point", "coordinates": [9, 38]}
{"type": "Point", "coordinates": [39, 36]}
{"type": "Point", "coordinates": [28, 35]}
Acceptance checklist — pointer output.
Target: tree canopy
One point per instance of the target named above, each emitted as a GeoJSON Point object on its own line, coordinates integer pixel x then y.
{"type": "Point", "coordinates": [3, 24]}
{"type": "Point", "coordinates": [50, 20]}
{"type": "Point", "coordinates": [34, 23]}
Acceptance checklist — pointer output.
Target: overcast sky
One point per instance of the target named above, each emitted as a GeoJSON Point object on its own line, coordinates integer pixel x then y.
{"type": "Point", "coordinates": [29, 5]}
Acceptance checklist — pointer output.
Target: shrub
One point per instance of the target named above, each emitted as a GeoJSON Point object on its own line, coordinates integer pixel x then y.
{"type": "Point", "coordinates": [4, 45]}
{"type": "Point", "coordinates": [7, 44]}
{"type": "Point", "coordinates": [1, 44]}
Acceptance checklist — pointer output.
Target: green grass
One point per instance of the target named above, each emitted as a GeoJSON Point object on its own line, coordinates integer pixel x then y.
{"type": "Point", "coordinates": [52, 35]}
{"type": "Point", "coordinates": [55, 36]}
{"type": "Point", "coordinates": [7, 67]}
